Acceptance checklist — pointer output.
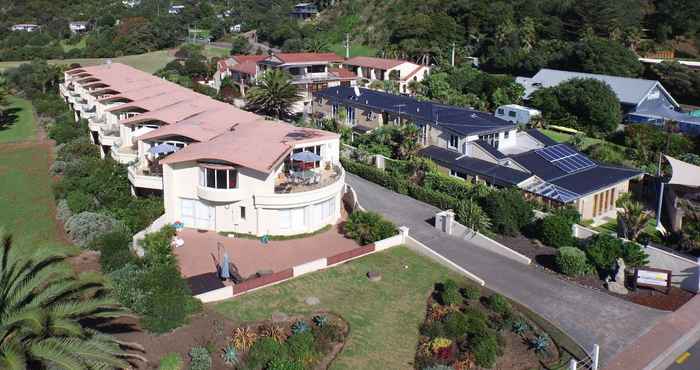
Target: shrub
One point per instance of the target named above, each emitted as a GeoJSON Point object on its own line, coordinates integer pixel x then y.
{"type": "Point", "coordinates": [471, 293]}
{"type": "Point", "coordinates": [80, 202]}
{"type": "Point", "coordinates": [499, 304]}
{"type": "Point", "coordinates": [450, 293]}
{"type": "Point", "coordinates": [85, 227]}
{"type": "Point", "coordinates": [230, 355]}
{"type": "Point", "coordinates": [540, 343]}
{"type": "Point", "coordinates": [244, 338]}
{"type": "Point", "coordinates": [320, 320]}
{"type": "Point", "coordinates": [434, 329]}
{"type": "Point", "coordinates": [77, 149]}
{"type": "Point", "coordinates": [571, 261]}
{"type": "Point", "coordinates": [275, 332]}
{"type": "Point", "coordinates": [508, 211]}
{"type": "Point", "coordinates": [634, 255]}
{"type": "Point", "coordinates": [439, 367]}
{"type": "Point", "coordinates": [169, 300]}
{"type": "Point", "coordinates": [570, 213]}
{"type": "Point", "coordinates": [171, 361]}
{"type": "Point", "coordinates": [115, 250]}
{"type": "Point", "coordinates": [520, 327]}
{"type": "Point", "coordinates": [200, 359]}
{"type": "Point", "coordinates": [157, 247]}
{"type": "Point", "coordinates": [138, 213]}
{"type": "Point", "coordinates": [437, 199]}
{"type": "Point", "coordinates": [555, 231]}
{"type": "Point", "coordinates": [459, 189]}
{"type": "Point", "coordinates": [327, 335]}
{"type": "Point", "coordinates": [63, 212]}
{"type": "Point", "coordinates": [457, 324]}
{"type": "Point", "coordinates": [472, 216]}
{"type": "Point", "coordinates": [57, 168]}
{"type": "Point", "coordinates": [436, 344]}
{"type": "Point", "coordinates": [301, 347]}
{"type": "Point", "coordinates": [65, 130]}
{"type": "Point", "coordinates": [263, 351]}
{"type": "Point", "coordinates": [603, 252]}
{"type": "Point", "coordinates": [300, 327]}
{"type": "Point", "coordinates": [127, 287]}
{"type": "Point", "coordinates": [368, 227]}
{"type": "Point", "coordinates": [486, 350]}
{"type": "Point", "coordinates": [285, 364]}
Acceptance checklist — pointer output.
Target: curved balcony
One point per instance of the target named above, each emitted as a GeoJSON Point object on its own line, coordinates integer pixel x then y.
{"type": "Point", "coordinates": [332, 182]}
{"type": "Point", "coordinates": [145, 178]}
{"type": "Point", "coordinates": [221, 195]}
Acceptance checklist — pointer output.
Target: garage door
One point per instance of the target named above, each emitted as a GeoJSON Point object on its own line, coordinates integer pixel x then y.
{"type": "Point", "coordinates": [196, 214]}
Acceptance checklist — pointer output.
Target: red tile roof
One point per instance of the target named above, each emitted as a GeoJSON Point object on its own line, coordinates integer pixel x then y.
{"type": "Point", "coordinates": [342, 73]}
{"type": "Point", "coordinates": [247, 67]}
{"type": "Point", "coordinates": [308, 57]}
{"type": "Point", "coordinates": [371, 62]}
{"type": "Point", "coordinates": [248, 58]}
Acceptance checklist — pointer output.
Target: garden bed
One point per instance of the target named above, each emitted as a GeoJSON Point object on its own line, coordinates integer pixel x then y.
{"type": "Point", "coordinates": [466, 330]}
{"type": "Point", "coordinates": [544, 257]}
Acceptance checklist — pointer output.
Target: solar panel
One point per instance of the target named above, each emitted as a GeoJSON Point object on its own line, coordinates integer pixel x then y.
{"type": "Point", "coordinates": [553, 192]}
{"type": "Point", "coordinates": [565, 158]}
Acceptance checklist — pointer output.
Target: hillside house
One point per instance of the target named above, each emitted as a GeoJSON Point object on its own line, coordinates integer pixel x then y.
{"type": "Point", "coordinates": [402, 72]}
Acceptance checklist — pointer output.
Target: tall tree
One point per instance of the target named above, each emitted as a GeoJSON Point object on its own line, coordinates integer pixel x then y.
{"type": "Point", "coordinates": [42, 310]}
{"type": "Point", "coordinates": [273, 94]}
{"type": "Point", "coordinates": [631, 218]}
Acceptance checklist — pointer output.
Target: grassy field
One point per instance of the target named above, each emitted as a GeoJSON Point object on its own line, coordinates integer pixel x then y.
{"type": "Point", "coordinates": [79, 45]}
{"type": "Point", "coordinates": [21, 125]}
{"type": "Point", "coordinates": [149, 62]}
{"type": "Point", "coordinates": [355, 50]}
{"type": "Point", "coordinates": [564, 137]}
{"type": "Point", "coordinates": [26, 199]}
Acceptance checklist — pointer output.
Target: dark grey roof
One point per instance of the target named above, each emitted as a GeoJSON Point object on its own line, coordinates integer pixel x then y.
{"type": "Point", "coordinates": [542, 138]}
{"type": "Point", "coordinates": [491, 172]}
{"type": "Point", "coordinates": [462, 121]}
{"type": "Point", "coordinates": [628, 90]}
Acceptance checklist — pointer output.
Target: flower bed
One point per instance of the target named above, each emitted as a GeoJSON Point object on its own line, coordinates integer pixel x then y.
{"type": "Point", "coordinates": [465, 330]}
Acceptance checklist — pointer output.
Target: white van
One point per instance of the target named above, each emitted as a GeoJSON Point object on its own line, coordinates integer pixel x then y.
{"type": "Point", "coordinates": [516, 113]}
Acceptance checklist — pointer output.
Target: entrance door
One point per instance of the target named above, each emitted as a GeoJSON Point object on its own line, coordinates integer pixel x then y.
{"type": "Point", "coordinates": [196, 214]}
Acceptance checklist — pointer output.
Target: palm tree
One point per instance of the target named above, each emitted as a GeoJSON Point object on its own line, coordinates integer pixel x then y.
{"type": "Point", "coordinates": [632, 218]}
{"type": "Point", "coordinates": [406, 141]}
{"type": "Point", "coordinates": [42, 307]}
{"type": "Point", "coordinates": [316, 45]}
{"type": "Point", "coordinates": [274, 94]}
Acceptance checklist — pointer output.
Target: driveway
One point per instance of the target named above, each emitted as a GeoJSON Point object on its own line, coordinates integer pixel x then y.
{"type": "Point", "coordinates": [587, 315]}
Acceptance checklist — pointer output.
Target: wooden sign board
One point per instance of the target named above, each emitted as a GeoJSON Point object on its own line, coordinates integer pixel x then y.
{"type": "Point", "coordinates": [647, 277]}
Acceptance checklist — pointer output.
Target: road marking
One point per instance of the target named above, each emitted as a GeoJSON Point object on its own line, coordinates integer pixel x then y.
{"type": "Point", "coordinates": [682, 358]}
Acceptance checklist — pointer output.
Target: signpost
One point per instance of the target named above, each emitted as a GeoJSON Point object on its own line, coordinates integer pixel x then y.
{"type": "Point", "coordinates": [647, 277]}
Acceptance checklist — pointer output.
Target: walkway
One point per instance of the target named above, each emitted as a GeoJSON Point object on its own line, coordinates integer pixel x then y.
{"type": "Point", "coordinates": [586, 315]}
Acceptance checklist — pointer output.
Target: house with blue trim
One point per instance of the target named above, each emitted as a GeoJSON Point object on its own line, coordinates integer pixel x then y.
{"type": "Point", "coordinates": [479, 147]}
{"type": "Point", "coordinates": [642, 101]}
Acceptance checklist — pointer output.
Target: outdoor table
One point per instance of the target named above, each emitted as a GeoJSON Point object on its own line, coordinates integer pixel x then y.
{"type": "Point", "coordinates": [303, 175]}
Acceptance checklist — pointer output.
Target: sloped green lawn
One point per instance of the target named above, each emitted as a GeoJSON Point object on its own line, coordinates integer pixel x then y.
{"type": "Point", "coordinates": [19, 122]}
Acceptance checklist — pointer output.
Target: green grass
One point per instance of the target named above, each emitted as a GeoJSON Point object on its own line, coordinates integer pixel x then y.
{"type": "Point", "coordinates": [564, 137]}
{"type": "Point", "coordinates": [22, 125]}
{"type": "Point", "coordinates": [384, 317]}
{"type": "Point", "coordinates": [215, 51]}
{"type": "Point", "coordinates": [355, 50]}
{"type": "Point", "coordinates": [66, 47]}
{"type": "Point", "coordinates": [26, 200]}
{"type": "Point", "coordinates": [148, 62]}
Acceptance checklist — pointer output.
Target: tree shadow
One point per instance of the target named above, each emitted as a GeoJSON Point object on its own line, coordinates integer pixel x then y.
{"type": "Point", "coordinates": [8, 117]}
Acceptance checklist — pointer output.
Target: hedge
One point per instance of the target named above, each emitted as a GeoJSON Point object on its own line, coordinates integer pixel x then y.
{"type": "Point", "coordinates": [448, 185]}
{"type": "Point", "coordinates": [572, 261]}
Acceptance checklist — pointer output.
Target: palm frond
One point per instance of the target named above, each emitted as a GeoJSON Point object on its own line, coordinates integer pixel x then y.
{"type": "Point", "coordinates": [12, 357]}
{"type": "Point", "coordinates": [53, 352]}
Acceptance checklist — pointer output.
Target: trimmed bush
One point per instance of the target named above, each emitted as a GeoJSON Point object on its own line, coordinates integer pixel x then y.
{"type": "Point", "coordinates": [127, 287]}
{"type": "Point", "coordinates": [263, 351]}
{"type": "Point", "coordinates": [603, 252]}
{"type": "Point", "coordinates": [80, 202]}
{"type": "Point", "coordinates": [448, 185]}
{"type": "Point", "coordinates": [63, 212]}
{"type": "Point", "coordinates": [368, 227]}
{"type": "Point", "coordinates": [169, 300]}
{"type": "Point", "coordinates": [115, 250]}
{"type": "Point", "coordinates": [171, 361]}
{"type": "Point", "coordinates": [634, 255]}
{"type": "Point", "coordinates": [470, 323]}
{"type": "Point", "coordinates": [555, 231]}
{"type": "Point", "coordinates": [572, 261]}
{"type": "Point", "coordinates": [499, 304]}
{"type": "Point", "coordinates": [450, 293]}
{"type": "Point", "coordinates": [200, 359]}
{"type": "Point", "coordinates": [65, 129]}
{"type": "Point", "coordinates": [486, 349]}
{"type": "Point", "coordinates": [85, 227]}
{"type": "Point", "coordinates": [471, 293]}
{"type": "Point", "coordinates": [57, 168]}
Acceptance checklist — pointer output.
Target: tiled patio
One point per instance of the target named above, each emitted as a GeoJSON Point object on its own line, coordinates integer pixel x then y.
{"type": "Point", "coordinates": [203, 251]}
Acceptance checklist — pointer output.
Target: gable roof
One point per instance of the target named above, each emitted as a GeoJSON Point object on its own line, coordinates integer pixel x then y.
{"type": "Point", "coordinates": [304, 57]}
{"type": "Point", "coordinates": [629, 91]}
{"type": "Point", "coordinates": [462, 121]}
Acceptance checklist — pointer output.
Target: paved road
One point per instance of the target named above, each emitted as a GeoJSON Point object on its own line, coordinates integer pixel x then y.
{"type": "Point", "coordinates": [587, 315]}
{"type": "Point", "coordinates": [690, 360]}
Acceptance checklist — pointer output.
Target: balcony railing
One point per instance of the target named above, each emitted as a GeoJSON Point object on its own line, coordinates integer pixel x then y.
{"type": "Point", "coordinates": [287, 183]}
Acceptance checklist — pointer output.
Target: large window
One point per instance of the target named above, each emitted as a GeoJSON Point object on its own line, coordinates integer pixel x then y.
{"type": "Point", "coordinates": [454, 141]}
{"type": "Point", "coordinates": [317, 68]}
{"type": "Point", "coordinates": [218, 178]}
{"type": "Point", "coordinates": [492, 139]}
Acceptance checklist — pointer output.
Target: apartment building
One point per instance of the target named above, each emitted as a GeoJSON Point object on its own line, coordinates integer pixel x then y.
{"type": "Point", "coordinates": [311, 72]}
{"type": "Point", "coordinates": [477, 146]}
{"type": "Point", "coordinates": [217, 167]}
{"type": "Point", "coordinates": [401, 72]}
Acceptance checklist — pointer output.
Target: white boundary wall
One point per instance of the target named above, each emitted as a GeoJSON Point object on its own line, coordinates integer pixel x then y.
{"type": "Point", "coordinates": [420, 248]}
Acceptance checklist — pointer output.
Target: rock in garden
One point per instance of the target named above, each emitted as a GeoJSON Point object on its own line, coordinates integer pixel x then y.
{"type": "Point", "coordinates": [279, 317]}
{"type": "Point", "coordinates": [312, 301]}
{"type": "Point", "coordinates": [617, 288]}
{"type": "Point", "coordinates": [374, 276]}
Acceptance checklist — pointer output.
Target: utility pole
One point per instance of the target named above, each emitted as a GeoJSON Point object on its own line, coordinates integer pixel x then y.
{"type": "Point", "coordinates": [453, 54]}
{"type": "Point", "coordinates": [347, 46]}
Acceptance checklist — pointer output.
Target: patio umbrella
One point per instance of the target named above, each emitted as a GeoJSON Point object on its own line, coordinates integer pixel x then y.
{"type": "Point", "coordinates": [306, 157]}
{"type": "Point", "coordinates": [225, 274]}
{"type": "Point", "coordinates": [162, 148]}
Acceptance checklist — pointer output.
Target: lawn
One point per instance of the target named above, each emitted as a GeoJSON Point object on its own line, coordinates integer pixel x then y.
{"type": "Point", "coordinates": [148, 62]}
{"type": "Point", "coordinates": [564, 137]}
{"type": "Point", "coordinates": [355, 50]}
{"type": "Point", "coordinates": [26, 199]}
{"type": "Point", "coordinates": [80, 45]}
{"type": "Point", "coordinates": [384, 316]}
{"type": "Point", "coordinates": [20, 121]}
